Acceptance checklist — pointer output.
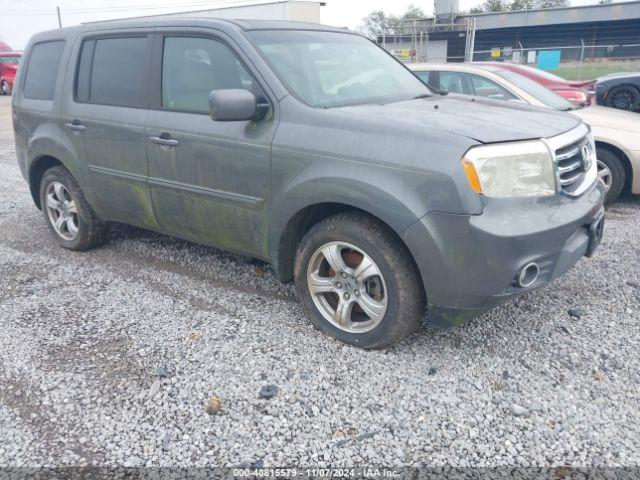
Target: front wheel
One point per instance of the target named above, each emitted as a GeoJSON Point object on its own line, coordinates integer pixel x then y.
{"type": "Point", "coordinates": [624, 97]}
{"type": "Point", "coordinates": [612, 173]}
{"type": "Point", "coordinates": [358, 282]}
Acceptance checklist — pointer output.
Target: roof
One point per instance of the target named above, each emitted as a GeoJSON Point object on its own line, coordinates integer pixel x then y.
{"type": "Point", "coordinates": [203, 22]}
{"type": "Point", "coordinates": [454, 66]}
{"type": "Point", "coordinates": [241, 24]}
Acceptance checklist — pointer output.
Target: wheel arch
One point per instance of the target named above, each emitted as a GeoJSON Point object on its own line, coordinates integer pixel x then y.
{"type": "Point", "coordinates": [303, 220]}
{"type": "Point", "coordinates": [38, 166]}
{"type": "Point", "coordinates": [624, 158]}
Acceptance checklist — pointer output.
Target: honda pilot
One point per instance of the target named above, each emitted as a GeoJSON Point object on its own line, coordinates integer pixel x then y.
{"type": "Point", "coordinates": [313, 149]}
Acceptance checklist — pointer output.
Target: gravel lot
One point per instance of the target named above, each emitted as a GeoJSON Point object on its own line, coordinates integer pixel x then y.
{"type": "Point", "coordinates": [109, 358]}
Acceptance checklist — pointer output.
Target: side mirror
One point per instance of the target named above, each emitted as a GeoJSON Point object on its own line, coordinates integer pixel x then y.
{"type": "Point", "coordinates": [234, 105]}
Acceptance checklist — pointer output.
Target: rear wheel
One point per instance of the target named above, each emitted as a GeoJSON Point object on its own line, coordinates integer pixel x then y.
{"type": "Point", "coordinates": [66, 211]}
{"type": "Point", "coordinates": [624, 97]}
{"type": "Point", "coordinates": [612, 173]}
{"type": "Point", "coordinates": [358, 282]}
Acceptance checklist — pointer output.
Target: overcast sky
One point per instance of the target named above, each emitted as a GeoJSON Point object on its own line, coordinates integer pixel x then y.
{"type": "Point", "coordinates": [19, 19]}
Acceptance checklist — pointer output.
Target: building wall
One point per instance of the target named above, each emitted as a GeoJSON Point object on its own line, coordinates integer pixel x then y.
{"type": "Point", "coordinates": [277, 10]}
{"type": "Point", "coordinates": [304, 11]}
{"type": "Point", "coordinates": [622, 32]}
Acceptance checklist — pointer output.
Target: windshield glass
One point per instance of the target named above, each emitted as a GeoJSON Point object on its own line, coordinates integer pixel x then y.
{"type": "Point", "coordinates": [542, 94]}
{"type": "Point", "coordinates": [327, 69]}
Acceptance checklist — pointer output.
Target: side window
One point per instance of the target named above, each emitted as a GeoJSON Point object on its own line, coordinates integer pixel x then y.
{"type": "Point", "coordinates": [110, 72]}
{"type": "Point", "coordinates": [42, 70]}
{"type": "Point", "coordinates": [424, 76]}
{"type": "Point", "coordinates": [484, 87]}
{"type": "Point", "coordinates": [452, 82]}
{"type": "Point", "coordinates": [193, 66]}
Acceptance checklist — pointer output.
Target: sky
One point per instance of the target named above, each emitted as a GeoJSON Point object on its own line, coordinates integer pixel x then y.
{"type": "Point", "coordinates": [19, 19]}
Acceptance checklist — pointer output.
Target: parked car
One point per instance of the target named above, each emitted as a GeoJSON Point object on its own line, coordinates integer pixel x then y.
{"type": "Point", "coordinates": [8, 67]}
{"type": "Point", "coordinates": [616, 133]}
{"type": "Point", "coordinates": [621, 90]}
{"type": "Point", "coordinates": [579, 93]}
{"type": "Point", "coordinates": [377, 198]}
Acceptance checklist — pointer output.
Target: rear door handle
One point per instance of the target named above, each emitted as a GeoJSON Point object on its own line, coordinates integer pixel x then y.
{"type": "Point", "coordinates": [168, 142]}
{"type": "Point", "coordinates": [76, 126]}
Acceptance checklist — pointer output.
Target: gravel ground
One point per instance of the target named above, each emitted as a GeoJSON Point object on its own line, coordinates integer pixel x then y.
{"type": "Point", "coordinates": [109, 358]}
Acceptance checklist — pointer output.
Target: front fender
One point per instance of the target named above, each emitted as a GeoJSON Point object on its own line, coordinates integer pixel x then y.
{"type": "Point", "coordinates": [397, 197]}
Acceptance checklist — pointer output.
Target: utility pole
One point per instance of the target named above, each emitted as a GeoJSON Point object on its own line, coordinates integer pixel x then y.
{"type": "Point", "coordinates": [59, 19]}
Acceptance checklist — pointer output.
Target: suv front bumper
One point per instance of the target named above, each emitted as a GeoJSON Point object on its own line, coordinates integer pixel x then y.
{"type": "Point", "coordinates": [471, 263]}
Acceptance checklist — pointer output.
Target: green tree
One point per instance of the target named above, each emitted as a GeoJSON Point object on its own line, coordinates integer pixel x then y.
{"type": "Point", "coordinates": [413, 12]}
{"type": "Point", "coordinates": [378, 22]}
{"type": "Point", "coordinates": [552, 3]}
{"type": "Point", "coordinates": [513, 5]}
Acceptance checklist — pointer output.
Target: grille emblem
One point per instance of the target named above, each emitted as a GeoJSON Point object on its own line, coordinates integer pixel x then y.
{"type": "Point", "coordinates": [586, 157]}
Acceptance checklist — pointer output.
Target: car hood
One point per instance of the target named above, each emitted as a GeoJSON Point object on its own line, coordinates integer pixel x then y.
{"type": "Point", "coordinates": [486, 121]}
{"type": "Point", "coordinates": [599, 116]}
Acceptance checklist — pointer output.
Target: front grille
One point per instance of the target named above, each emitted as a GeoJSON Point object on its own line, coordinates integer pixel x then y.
{"type": "Point", "coordinates": [571, 167]}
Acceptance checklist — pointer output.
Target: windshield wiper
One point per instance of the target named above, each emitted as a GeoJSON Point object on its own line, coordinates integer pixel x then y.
{"type": "Point", "coordinates": [422, 95]}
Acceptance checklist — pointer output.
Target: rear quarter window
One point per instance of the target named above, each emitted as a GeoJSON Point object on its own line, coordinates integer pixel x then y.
{"type": "Point", "coordinates": [42, 70]}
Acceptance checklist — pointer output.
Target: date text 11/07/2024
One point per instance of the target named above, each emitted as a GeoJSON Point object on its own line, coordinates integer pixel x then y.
{"type": "Point", "coordinates": [316, 473]}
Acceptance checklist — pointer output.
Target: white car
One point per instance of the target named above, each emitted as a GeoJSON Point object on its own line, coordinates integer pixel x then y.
{"type": "Point", "coordinates": [617, 132]}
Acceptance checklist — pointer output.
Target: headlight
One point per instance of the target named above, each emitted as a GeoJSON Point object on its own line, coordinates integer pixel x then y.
{"type": "Point", "coordinates": [514, 169]}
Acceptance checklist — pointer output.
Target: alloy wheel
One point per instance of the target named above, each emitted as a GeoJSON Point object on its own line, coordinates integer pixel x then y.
{"type": "Point", "coordinates": [62, 211]}
{"type": "Point", "coordinates": [605, 175]}
{"type": "Point", "coordinates": [347, 287]}
{"type": "Point", "coordinates": [623, 99]}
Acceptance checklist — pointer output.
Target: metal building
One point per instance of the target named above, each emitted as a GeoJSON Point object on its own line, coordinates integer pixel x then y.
{"type": "Point", "coordinates": [459, 36]}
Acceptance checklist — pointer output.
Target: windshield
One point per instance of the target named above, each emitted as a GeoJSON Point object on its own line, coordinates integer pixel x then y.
{"type": "Point", "coordinates": [327, 69]}
{"type": "Point", "coordinates": [540, 93]}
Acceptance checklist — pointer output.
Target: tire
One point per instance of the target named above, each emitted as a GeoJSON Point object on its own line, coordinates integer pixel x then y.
{"type": "Point", "coordinates": [5, 88]}
{"type": "Point", "coordinates": [611, 171]}
{"type": "Point", "coordinates": [624, 97]}
{"type": "Point", "coordinates": [62, 200]}
{"type": "Point", "coordinates": [358, 240]}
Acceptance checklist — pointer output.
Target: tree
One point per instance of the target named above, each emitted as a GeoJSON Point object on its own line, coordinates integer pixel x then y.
{"type": "Point", "coordinates": [378, 22]}
{"type": "Point", "coordinates": [552, 3]}
{"type": "Point", "coordinates": [512, 5]}
{"type": "Point", "coordinates": [413, 12]}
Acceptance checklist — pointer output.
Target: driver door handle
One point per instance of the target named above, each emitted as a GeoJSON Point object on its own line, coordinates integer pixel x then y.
{"type": "Point", "coordinates": [76, 126]}
{"type": "Point", "coordinates": [167, 142]}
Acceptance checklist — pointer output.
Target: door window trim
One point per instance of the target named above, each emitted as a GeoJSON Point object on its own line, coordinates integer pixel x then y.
{"type": "Point", "coordinates": [108, 36]}
{"type": "Point", "coordinates": [157, 57]}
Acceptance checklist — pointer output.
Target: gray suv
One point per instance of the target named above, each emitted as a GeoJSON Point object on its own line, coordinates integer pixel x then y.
{"type": "Point", "coordinates": [313, 149]}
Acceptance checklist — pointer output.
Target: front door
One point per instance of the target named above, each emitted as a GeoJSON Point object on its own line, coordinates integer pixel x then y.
{"type": "Point", "coordinates": [209, 180]}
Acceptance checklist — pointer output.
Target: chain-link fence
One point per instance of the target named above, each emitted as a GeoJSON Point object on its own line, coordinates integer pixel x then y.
{"type": "Point", "coordinates": [456, 43]}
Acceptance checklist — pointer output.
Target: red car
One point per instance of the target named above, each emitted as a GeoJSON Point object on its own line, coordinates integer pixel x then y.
{"type": "Point", "coordinates": [8, 66]}
{"type": "Point", "coordinates": [579, 93]}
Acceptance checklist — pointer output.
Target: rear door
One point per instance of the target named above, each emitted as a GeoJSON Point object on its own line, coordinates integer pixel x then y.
{"type": "Point", "coordinates": [209, 180]}
{"type": "Point", "coordinates": [105, 117]}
